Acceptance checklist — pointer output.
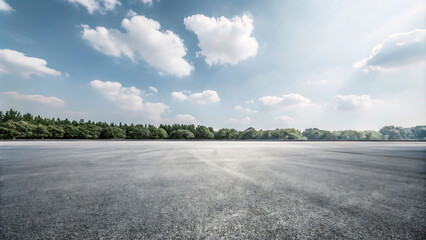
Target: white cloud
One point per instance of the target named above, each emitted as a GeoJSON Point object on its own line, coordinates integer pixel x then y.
{"type": "Point", "coordinates": [223, 40]}
{"type": "Point", "coordinates": [284, 119]}
{"type": "Point", "coordinates": [4, 6]}
{"type": "Point", "coordinates": [285, 100]}
{"type": "Point", "coordinates": [186, 118]}
{"type": "Point", "coordinates": [97, 5]}
{"type": "Point", "coordinates": [153, 89]}
{"type": "Point", "coordinates": [316, 82]}
{"type": "Point", "coordinates": [397, 50]}
{"type": "Point", "coordinates": [51, 101]}
{"type": "Point", "coordinates": [147, 2]}
{"type": "Point", "coordinates": [204, 97]}
{"type": "Point", "coordinates": [16, 62]}
{"type": "Point", "coordinates": [180, 96]}
{"type": "Point", "coordinates": [144, 40]}
{"type": "Point", "coordinates": [351, 102]}
{"type": "Point", "coordinates": [246, 110]}
{"type": "Point", "coordinates": [249, 101]}
{"type": "Point", "coordinates": [246, 120]}
{"type": "Point", "coordinates": [131, 13]}
{"type": "Point", "coordinates": [129, 99]}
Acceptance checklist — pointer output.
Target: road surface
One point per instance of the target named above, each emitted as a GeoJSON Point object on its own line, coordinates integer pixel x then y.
{"type": "Point", "coordinates": [212, 190]}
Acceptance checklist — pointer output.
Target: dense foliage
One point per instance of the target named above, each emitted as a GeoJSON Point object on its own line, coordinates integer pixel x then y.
{"type": "Point", "coordinates": [14, 125]}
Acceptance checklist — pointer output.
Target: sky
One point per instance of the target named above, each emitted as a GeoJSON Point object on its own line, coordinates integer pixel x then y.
{"type": "Point", "coordinates": [236, 64]}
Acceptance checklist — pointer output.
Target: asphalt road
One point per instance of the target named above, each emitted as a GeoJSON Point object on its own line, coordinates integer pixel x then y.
{"type": "Point", "coordinates": [212, 190]}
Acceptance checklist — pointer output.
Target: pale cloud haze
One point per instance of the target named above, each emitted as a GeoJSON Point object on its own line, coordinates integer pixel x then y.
{"type": "Point", "coordinates": [262, 64]}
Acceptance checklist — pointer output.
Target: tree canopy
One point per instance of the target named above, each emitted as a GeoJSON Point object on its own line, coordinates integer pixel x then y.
{"type": "Point", "coordinates": [14, 125]}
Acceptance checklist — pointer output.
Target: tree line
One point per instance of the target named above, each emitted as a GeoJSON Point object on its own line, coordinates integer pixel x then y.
{"type": "Point", "coordinates": [14, 125]}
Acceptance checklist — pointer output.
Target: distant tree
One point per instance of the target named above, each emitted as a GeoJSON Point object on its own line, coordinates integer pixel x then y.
{"type": "Point", "coordinates": [112, 132]}
{"type": "Point", "coordinates": [250, 133]}
{"type": "Point", "coordinates": [293, 133]}
{"type": "Point", "coordinates": [392, 133]}
{"type": "Point", "coordinates": [182, 134]}
{"type": "Point", "coordinates": [40, 131]}
{"type": "Point", "coordinates": [12, 115]}
{"type": "Point", "coordinates": [226, 133]}
{"type": "Point", "coordinates": [162, 133]}
{"type": "Point", "coordinates": [267, 134]}
{"type": "Point", "coordinates": [372, 135]}
{"type": "Point", "coordinates": [71, 131]}
{"type": "Point", "coordinates": [286, 134]}
{"type": "Point", "coordinates": [138, 132]}
{"type": "Point", "coordinates": [28, 118]}
{"type": "Point", "coordinates": [153, 132]}
{"type": "Point", "coordinates": [56, 132]}
{"type": "Point", "coordinates": [16, 130]}
{"type": "Point", "coordinates": [14, 125]}
{"type": "Point", "coordinates": [419, 132]}
{"type": "Point", "coordinates": [234, 134]}
{"type": "Point", "coordinates": [326, 135]}
{"type": "Point", "coordinates": [312, 133]}
{"type": "Point", "coordinates": [222, 134]}
{"type": "Point", "coordinates": [89, 131]}
{"type": "Point", "coordinates": [202, 132]}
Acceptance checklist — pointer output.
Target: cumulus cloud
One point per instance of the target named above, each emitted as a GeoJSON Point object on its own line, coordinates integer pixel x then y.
{"type": "Point", "coordinates": [285, 100]}
{"type": "Point", "coordinates": [144, 40]}
{"type": "Point", "coordinates": [397, 50]}
{"type": "Point", "coordinates": [129, 99]}
{"type": "Point", "coordinates": [4, 6]}
{"type": "Point", "coordinates": [351, 102]}
{"type": "Point", "coordinates": [251, 101]}
{"type": "Point", "coordinates": [245, 121]}
{"type": "Point", "coordinates": [246, 110]}
{"type": "Point", "coordinates": [186, 118]}
{"type": "Point", "coordinates": [153, 89]}
{"type": "Point", "coordinates": [223, 40]}
{"type": "Point", "coordinates": [51, 101]}
{"type": "Point", "coordinates": [204, 97]}
{"type": "Point", "coordinates": [12, 61]}
{"type": "Point", "coordinates": [97, 5]}
{"type": "Point", "coordinates": [147, 2]}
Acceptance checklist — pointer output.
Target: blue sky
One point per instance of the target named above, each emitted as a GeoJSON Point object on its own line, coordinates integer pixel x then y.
{"type": "Point", "coordinates": [265, 64]}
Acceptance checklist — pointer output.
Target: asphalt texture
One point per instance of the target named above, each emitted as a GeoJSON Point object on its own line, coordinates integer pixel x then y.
{"type": "Point", "coordinates": [212, 190]}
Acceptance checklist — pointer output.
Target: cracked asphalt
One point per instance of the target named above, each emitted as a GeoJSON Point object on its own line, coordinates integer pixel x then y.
{"type": "Point", "coordinates": [212, 190]}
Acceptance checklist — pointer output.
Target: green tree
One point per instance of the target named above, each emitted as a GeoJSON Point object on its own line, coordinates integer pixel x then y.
{"type": "Point", "coordinates": [250, 133]}
{"type": "Point", "coordinates": [392, 133]}
{"type": "Point", "coordinates": [162, 133]}
{"type": "Point", "coordinates": [56, 132]}
{"type": "Point", "coordinates": [222, 134]}
{"type": "Point", "coordinates": [312, 133]}
{"type": "Point", "coordinates": [141, 132]}
{"type": "Point", "coordinates": [112, 132]}
{"type": "Point", "coordinates": [89, 131]}
{"type": "Point", "coordinates": [202, 132]}
{"type": "Point", "coordinates": [16, 130]}
{"type": "Point", "coordinates": [182, 134]}
{"type": "Point", "coordinates": [153, 132]}
{"type": "Point", "coordinates": [40, 131]}
{"type": "Point", "coordinates": [419, 132]}
{"type": "Point", "coordinates": [234, 134]}
{"type": "Point", "coordinates": [71, 131]}
{"type": "Point", "coordinates": [12, 115]}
